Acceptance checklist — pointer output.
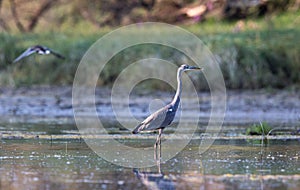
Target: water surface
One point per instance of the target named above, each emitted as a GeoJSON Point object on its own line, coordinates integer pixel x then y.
{"type": "Point", "coordinates": [52, 157]}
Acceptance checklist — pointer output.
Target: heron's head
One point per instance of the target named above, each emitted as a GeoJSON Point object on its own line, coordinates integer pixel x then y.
{"type": "Point", "coordinates": [188, 67]}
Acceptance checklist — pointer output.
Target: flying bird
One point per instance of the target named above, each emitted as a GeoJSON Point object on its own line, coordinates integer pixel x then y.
{"type": "Point", "coordinates": [164, 116]}
{"type": "Point", "coordinates": [42, 50]}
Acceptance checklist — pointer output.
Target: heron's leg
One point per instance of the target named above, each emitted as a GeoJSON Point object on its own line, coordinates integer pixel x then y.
{"type": "Point", "coordinates": [159, 150]}
{"type": "Point", "coordinates": [158, 166]}
{"type": "Point", "coordinates": [155, 147]}
{"type": "Point", "coordinates": [155, 151]}
{"type": "Point", "coordinates": [158, 137]}
{"type": "Point", "coordinates": [159, 143]}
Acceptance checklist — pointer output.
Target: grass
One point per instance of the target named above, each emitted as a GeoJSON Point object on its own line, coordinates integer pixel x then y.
{"type": "Point", "coordinates": [259, 129]}
{"type": "Point", "coordinates": [265, 54]}
{"type": "Point", "coordinates": [48, 69]}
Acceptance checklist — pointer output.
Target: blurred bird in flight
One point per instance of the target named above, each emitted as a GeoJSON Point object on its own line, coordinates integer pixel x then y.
{"type": "Point", "coordinates": [42, 50]}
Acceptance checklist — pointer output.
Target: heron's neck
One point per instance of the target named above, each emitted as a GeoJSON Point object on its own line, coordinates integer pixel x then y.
{"type": "Point", "coordinates": [176, 98]}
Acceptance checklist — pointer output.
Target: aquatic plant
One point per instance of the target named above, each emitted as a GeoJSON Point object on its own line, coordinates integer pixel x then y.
{"type": "Point", "coordinates": [259, 129]}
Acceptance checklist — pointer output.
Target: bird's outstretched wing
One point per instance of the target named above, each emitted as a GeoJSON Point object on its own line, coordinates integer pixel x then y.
{"type": "Point", "coordinates": [26, 53]}
{"type": "Point", "coordinates": [57, 54]}
{"type": "Point", "coordinates": [40, 50]}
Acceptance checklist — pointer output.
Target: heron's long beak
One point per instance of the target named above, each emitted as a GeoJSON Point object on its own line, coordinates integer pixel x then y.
{"type": "Point", "coordinates": [195, 68]}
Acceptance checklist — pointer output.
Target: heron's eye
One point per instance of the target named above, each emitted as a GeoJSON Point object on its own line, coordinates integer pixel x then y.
{"type": "Point", "coordinates": [185, 67]}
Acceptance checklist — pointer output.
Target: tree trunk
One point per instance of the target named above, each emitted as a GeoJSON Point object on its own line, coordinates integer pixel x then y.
{"type": "Point", "coordinates": [43, 9]}
{"type": "Point", "coordinates": [15, 16]}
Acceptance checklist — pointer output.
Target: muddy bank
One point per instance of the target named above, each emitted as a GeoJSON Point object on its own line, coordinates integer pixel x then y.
{"type": "Point", "coordinates": [54, 104]}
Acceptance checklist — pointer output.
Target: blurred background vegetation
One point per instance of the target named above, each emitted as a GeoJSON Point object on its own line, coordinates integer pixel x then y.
{"type": "Point", "coordinates": [256, 42]}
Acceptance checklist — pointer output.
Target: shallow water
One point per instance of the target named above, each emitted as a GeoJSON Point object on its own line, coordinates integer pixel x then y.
{"type": "Point", "coordinates": [39, 160]}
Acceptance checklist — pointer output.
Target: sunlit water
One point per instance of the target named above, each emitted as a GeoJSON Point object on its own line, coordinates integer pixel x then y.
{"type": "Point", "coordinates": [33, 162]}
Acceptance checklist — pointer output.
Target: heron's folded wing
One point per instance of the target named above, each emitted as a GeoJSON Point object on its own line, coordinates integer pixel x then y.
{"type": "Point", "coordinates": [155, 120]}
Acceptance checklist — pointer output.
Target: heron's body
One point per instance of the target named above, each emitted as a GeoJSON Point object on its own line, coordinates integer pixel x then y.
{"type": "Point", "coordinates": [159, 119]}
{"type": "Point", "coordinates": [42, 50]}
{"type": "Point", "coordinates": [164, 116]}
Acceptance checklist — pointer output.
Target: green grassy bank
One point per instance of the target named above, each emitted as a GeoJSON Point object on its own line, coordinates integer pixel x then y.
{"type": "Point", "coordinates": [265, 54]}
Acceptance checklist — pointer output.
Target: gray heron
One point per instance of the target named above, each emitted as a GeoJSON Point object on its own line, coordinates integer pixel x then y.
{"type": "Point", "coordinates": [164, 116]}
{"type": "Point", "coordinates": [42, 50]}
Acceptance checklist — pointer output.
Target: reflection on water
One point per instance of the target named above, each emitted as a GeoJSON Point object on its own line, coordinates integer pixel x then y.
{"type": "Point", "coordinates": [154, 180]}
{"type": "Point", "coordinates": [70, 164]}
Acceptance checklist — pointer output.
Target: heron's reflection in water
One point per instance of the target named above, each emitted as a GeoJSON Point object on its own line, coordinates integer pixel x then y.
{"type": "Point", "coordinates": [154, 180]}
